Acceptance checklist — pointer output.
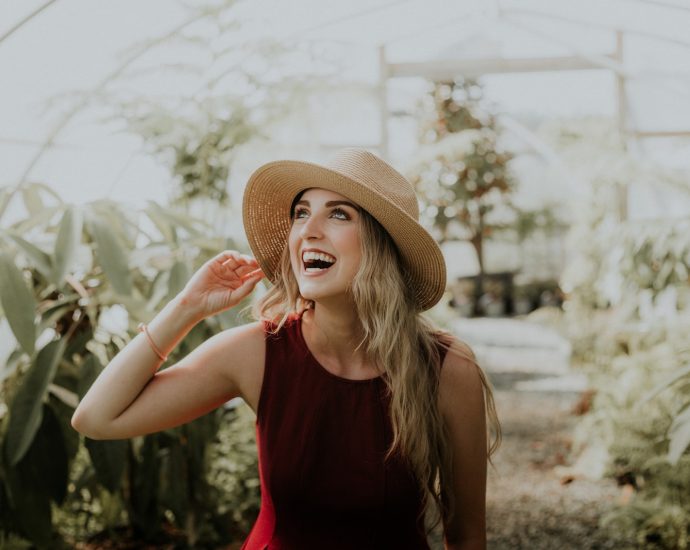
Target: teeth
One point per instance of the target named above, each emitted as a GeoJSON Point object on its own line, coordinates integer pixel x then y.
{"type": "Point", "coordinates": [306, 256]}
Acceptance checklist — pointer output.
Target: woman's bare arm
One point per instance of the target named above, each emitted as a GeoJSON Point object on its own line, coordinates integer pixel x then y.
{"type": "Point", "coordinates": [128, 400]}
{"type": "Point", "coordinates": [461, 398]}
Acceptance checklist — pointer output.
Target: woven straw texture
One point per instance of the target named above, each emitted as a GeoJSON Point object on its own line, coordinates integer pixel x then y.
{"type": "Point", "coordinates": [365, 179]}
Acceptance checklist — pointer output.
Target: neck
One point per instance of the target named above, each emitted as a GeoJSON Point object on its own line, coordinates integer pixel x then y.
{"type": "Point", "coordinates": [336, 334]}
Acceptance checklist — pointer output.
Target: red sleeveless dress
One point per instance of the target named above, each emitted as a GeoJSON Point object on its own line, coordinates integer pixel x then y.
{"type": "Point", "coordinates": [321, 443]}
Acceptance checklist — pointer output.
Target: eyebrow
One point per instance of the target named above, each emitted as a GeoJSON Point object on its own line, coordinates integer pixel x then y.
{"type": "Point", "coordinates": [330, 203]}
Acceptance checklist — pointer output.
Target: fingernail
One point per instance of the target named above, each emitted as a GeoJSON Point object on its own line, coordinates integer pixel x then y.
{"type": "Point", "coordinates": [251, 274]}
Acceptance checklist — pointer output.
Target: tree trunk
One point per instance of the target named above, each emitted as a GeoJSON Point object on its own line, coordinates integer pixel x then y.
{"type": "Point", "coordinates": [477, 241]}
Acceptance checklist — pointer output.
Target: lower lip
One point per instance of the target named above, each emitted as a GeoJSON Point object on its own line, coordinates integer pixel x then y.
{"type": "Point", "coordinates": [315, 273]}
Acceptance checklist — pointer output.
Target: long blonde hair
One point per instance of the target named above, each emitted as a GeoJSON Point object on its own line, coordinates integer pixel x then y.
{"type": "Point", "coordinates": [402, 343]}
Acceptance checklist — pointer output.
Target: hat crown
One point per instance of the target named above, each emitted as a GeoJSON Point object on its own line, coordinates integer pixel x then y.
{"type": "Point", "coordinates": [377, 175]}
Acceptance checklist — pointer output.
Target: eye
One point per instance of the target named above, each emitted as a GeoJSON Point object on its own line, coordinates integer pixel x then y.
{"type": "Point", "coordinates": [341, 213]}
{"type": "Point", "coordinates": [298, 212]}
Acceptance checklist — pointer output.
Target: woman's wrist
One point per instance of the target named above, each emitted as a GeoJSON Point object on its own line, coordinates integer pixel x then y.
{"type": "Point", "coordinates": [187, 309]}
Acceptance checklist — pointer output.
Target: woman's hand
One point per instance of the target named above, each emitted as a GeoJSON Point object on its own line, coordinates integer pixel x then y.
{"type": "Point", "coordinates": [221, 283]}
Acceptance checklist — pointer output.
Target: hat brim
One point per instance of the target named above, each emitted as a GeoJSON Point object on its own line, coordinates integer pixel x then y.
{"type": "Point", "coordinates": [266, 206]}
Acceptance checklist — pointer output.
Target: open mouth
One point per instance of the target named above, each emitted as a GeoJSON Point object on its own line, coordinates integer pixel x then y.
{"type": "Point", "coordinates": [317, 262]}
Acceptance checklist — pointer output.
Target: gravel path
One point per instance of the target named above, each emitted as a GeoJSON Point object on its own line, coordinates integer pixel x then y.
{"type": "Point", "coordinates": [527, 505]}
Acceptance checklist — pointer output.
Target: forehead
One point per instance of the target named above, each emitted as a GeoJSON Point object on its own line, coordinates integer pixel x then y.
{"type": "Point", "coordinates": [318, 195]}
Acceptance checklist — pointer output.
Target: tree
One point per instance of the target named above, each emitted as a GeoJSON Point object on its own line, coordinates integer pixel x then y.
{"type": "Point", "coordinates": [462, 174]}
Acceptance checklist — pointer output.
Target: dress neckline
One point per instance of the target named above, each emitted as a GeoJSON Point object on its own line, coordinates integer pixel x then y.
{"type": "Point", "coordinates": [300, 334]}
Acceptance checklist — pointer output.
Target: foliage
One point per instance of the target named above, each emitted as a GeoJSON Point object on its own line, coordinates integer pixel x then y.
{"type": "Point", "coordinates": [200, 146]}
{"type": "Point", "coordinates": [462, 176]}
{"type": "Point", "coordinates": [75, 283]}
{"type": "Point", "coordinates": [628, 315]}
{"type": "Point", "coordinates": [234, 469]}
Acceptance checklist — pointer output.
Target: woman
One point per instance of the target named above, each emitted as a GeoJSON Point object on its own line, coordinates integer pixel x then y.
{"type": "Point", "coordinates": [368, 417]}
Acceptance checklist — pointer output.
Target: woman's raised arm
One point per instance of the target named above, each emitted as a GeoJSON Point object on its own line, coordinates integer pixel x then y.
{"type": "Point", "coordinates": [127, 399]}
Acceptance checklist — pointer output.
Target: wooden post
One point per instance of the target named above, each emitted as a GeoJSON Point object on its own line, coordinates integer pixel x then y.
{"type": "Point", "coordinates": [620, 90]}
{"type": "Point", "coordinates": [383, 100]}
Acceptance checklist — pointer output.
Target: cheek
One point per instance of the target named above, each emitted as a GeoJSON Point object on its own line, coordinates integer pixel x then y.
{"type": "Point", "coordinates": [354, 251]}
{"type": "Point", "coordinates": [292, 247]}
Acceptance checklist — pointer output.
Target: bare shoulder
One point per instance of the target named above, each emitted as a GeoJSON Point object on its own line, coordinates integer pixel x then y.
{"type": "Point", "coordinates": [244, 350]}
{"type": "Point", "coordinates": [460, 383]}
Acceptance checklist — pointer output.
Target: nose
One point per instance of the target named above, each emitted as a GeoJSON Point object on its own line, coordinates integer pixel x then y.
{"type": "Point", "coordinates": [311, 228]}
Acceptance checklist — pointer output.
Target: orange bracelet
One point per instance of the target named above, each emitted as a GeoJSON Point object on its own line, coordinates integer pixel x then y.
{"type": "Point", "coordinates": [142, 327]}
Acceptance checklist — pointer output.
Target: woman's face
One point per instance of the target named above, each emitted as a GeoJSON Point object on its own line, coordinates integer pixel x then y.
{"type": "Point", "coordinates": [324, 244]}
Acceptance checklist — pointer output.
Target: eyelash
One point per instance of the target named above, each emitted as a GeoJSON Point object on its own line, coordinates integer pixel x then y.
{"type": "Point", "coordinates": [298, 211]}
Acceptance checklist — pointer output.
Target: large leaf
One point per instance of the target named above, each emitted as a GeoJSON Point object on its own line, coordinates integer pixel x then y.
{"type": "Point", "coordinates": [43, 469]}
{"type": "Point", "coordinates": [669, 381]}
{"type": "Point", "coordinates": [24, 226]}
{"type": "Point", "coordinates": [41, 260]}
{"type": "Point", "coordinates": [109, 458]}
{"type": "Point", "coordinates": [679, 435]}
{"type": "Point", "coordinates": [70, 436]}
{"type": "Point", "coordinates": [6, 195]}
{"type": "Point", "coordinates": [18, 304]}
{"type": "Point", "coordinates": [41, 475]}
{"type": "Point", "coordinates": [145, 515]}
{"type": "Point", "coordinates": [66, 243]}
{"type": "Point", "coordinates": [31, 511]}
{"type": "Point", "coordinates": [87, 374]}
{"type": "Point", "coordinates": [32, 200]}
{"type": "Point", "coordinates": [177, 218]}
{"type": "Point", "coordinates": [111, 256]}
{"type": "Point", "coordinates": [179, 275]}
{"type": "Point", "coordinates": [11, 364]}
{"type": "Point", "coordinates": [27, 405]}
{"type": "Point", "coordinates": [175, 485]}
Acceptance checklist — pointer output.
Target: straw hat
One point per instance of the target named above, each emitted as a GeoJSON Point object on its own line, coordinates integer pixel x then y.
{"type": "Point", "coordinates": [365, 179]}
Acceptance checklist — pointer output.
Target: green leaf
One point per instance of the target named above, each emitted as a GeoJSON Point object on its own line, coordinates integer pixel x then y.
{"type": "Point", "coordinates": [66, 243]}
{"type": "Point", "coordinates": [87, 374]}
{"type": "Point", "coordinates": [43, 469]}
{"type": "Point", "coordinates": [18, 304]}
{"type": "Point", "coordinates": [70, 436]}
{"type": "Point", "coordinates": [42, 218]}
{"type": "Point", "coordinates": [41, 475]}
{"type": "Point", "coordinates": [179, 275]}
{"type": "Point", "coordinates": [31, 510]}
{"type": "Point", "coordinates": [11, 364]}
{"type": "Point", "coordinates": [163, 225]}
{"type": "Point", "coordinates": [109, 458]}
{"type": "Point", "coordinates": [669, 381]}
{"type": "Point", "coordinates": [6, 195]}
{"type": "Point", "coordinates": [175, 489]}
{"type": "Point", "coordinates": [679, 435]}
{"type": "Point", "coordinates": [111, 256]}
{"type": "Point", "coordinates": [32, 200]}
{"type": "Point", "coordinates": [177, 218]}
{"type": "Point", "coordinates": [42, 260]}
{"type": "Point", "coordinates": [158, 289]}
{"type": "Point", "coordinates": [144, 490]}
{"type": "Point", "coordinates": [48, 191]}
{"type": "Point", "coordinates": [26, 407]}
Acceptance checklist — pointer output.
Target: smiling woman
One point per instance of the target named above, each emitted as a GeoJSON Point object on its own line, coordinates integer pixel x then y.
{"type": "Point", "coordinates": [369, 418]}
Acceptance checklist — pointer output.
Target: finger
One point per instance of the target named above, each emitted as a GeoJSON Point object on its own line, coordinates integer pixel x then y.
{"type": "Point", "coordinates": [256, 273]}
{"type": "Point", "coordinates": [227, 254]}
{"type": "Point", "coordinates": [232, 262]}
{"type": "Point", "coordinates": [248, 259]}
{"type": "Point", "coordinates": [247, 286]}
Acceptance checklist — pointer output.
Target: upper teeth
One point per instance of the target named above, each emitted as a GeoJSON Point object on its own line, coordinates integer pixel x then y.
{"type": "Point", "coordinates": [306, 256]}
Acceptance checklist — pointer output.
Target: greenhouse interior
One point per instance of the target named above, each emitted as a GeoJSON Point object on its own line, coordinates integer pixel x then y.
{"type": "Point", "coordinates": [548, 146]}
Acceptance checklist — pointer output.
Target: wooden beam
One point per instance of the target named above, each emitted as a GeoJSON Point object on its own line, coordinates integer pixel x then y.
{"type": "Point", "coordinates": [661, 133]}
{"type": "Point", "coordinates": [451, 68]}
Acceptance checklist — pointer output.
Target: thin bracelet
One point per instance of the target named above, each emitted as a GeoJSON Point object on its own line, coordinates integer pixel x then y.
{"type": "Point", "coordinates": [143, 327]}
